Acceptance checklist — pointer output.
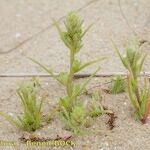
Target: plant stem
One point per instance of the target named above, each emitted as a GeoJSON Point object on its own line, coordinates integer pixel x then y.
{"type": "Point", "coordinates": [137, 90]}
{"type": "Point", "coordinates": [137, 95]}
{"type": "Point", "coordinates": [71, 74]}
{"type": "Point", "coordinates": [134, 77]}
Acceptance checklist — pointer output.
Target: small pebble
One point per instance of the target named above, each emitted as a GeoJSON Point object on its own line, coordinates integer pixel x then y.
{"type": "Point", "coordinates": [11, 114]}
{"type": "Point", "coordinates": [135, 26]}
{"type": "Point", "coordinates": [18, 15]}
{"type": "Point", "coordinates": [125, 103]}
{"type": "Point", "coordinates": [48, 127]}
{"type": "Point", "coordinates": [38, 134]}
{"type": "Point", "coordinates": [106, 144]}
{"type": "Point", "coordinates": [46, 83]}
{"type": "Point", "coordinates": [7, 62]}
{"type": "Point", "coordinates": [18, 35]}
{"type": "Point", "coordinates": [96, 79]}
{"type": "Point", "coordinates": [39, 97]}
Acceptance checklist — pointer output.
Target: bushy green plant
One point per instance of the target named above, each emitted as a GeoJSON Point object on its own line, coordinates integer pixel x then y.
{"type": "Point", "coordinates": [133, 61]}
{"type": "Point", "coordinates": [30, 120]}
{"type": "Point", "coordinates": [72, 37]}
{"type": "Point", "coordinates": [117, 85]}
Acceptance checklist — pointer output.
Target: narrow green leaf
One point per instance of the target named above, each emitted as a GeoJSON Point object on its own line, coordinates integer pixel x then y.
{"type": "Point", "coordinates": [120, 56]}
{"type": "Point", "coordinates": [10, 119]}
{"type": "Point", "coordinates": [85, 84]}
{"type": "Point", "coordinates": [63, 78]}
{"type": "Point", "coordinates": [43, 67]}
{"type": "Point", "coordinates": [91, 63]}
{"type": "Point", "coordinates": [132, 96]}
{"type": "Point", "coordinates": [142, 61]}
{"type": "Point", "coordinates": [87, 29]}
{"type": "Point", "coordinates": [57, 27]}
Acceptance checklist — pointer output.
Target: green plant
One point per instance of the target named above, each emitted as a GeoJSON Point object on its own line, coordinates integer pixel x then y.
{"type": "Point", "coordinates": [133, 61]}
{"type": "Point", "coordinates": [30, 120]}
{"type": "Point", "coordinates": [76, 119]}
{"type": "Point", "coordinates": [96, 108]}
{"type": "Point", "coordinates": [117, 85]}
{"type": "Point", "coordinates": [72, 38]}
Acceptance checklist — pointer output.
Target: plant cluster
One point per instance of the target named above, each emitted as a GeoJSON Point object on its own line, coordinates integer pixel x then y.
{"type": "Point", "coordinates": [96, 108]}
{"type": "Point", "coordinates": [133, 61]}
{"type": "Point", "coordinates": [30, 120]}
{"type": "Point", "coordinates": [117, 85]}
{"type": "Point", "coordinates": [73, 111]}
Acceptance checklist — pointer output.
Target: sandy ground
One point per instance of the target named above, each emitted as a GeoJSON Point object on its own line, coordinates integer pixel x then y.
{"type": "Point", "coordinates": [127, 134]}
{"type": "Point", "coordinates": [26, 30]}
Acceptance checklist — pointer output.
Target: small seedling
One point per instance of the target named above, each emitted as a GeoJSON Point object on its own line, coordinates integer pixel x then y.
{"type": "Point", "coordinates": [76, 119]}
{"type": "Point", "coordinates": [117, 85]}
{"type": "Point", "coordinates": [96, 107]}
{"type": "Point", "coordinates": [72, 112]}
{"type": "Point", "coordinates": [30, 120]}
{"type": "Point", "coordinates": [133, 61]}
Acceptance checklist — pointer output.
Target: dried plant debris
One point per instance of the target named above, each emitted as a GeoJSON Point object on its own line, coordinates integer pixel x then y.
{"type": "Point", "coordinates": [36, 138]}
{"type": "Point", "coordinates": [111, 121]}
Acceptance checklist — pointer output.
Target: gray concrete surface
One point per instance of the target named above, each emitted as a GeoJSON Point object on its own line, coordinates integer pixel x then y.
{"type": "Point", "coordinates": [26, 27]}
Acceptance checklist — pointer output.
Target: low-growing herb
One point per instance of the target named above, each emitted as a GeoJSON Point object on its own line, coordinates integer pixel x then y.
{"type": "Point", "coordinates": [73, 113]}
{"type": "Point", "coordinates": [117, 85]}
{"type": "Point", "coordinates": [96, 108]}
{"type": "Point", "coordinates": [30, 120]}
{"type": "Point", "coordinates": [133, 61]}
